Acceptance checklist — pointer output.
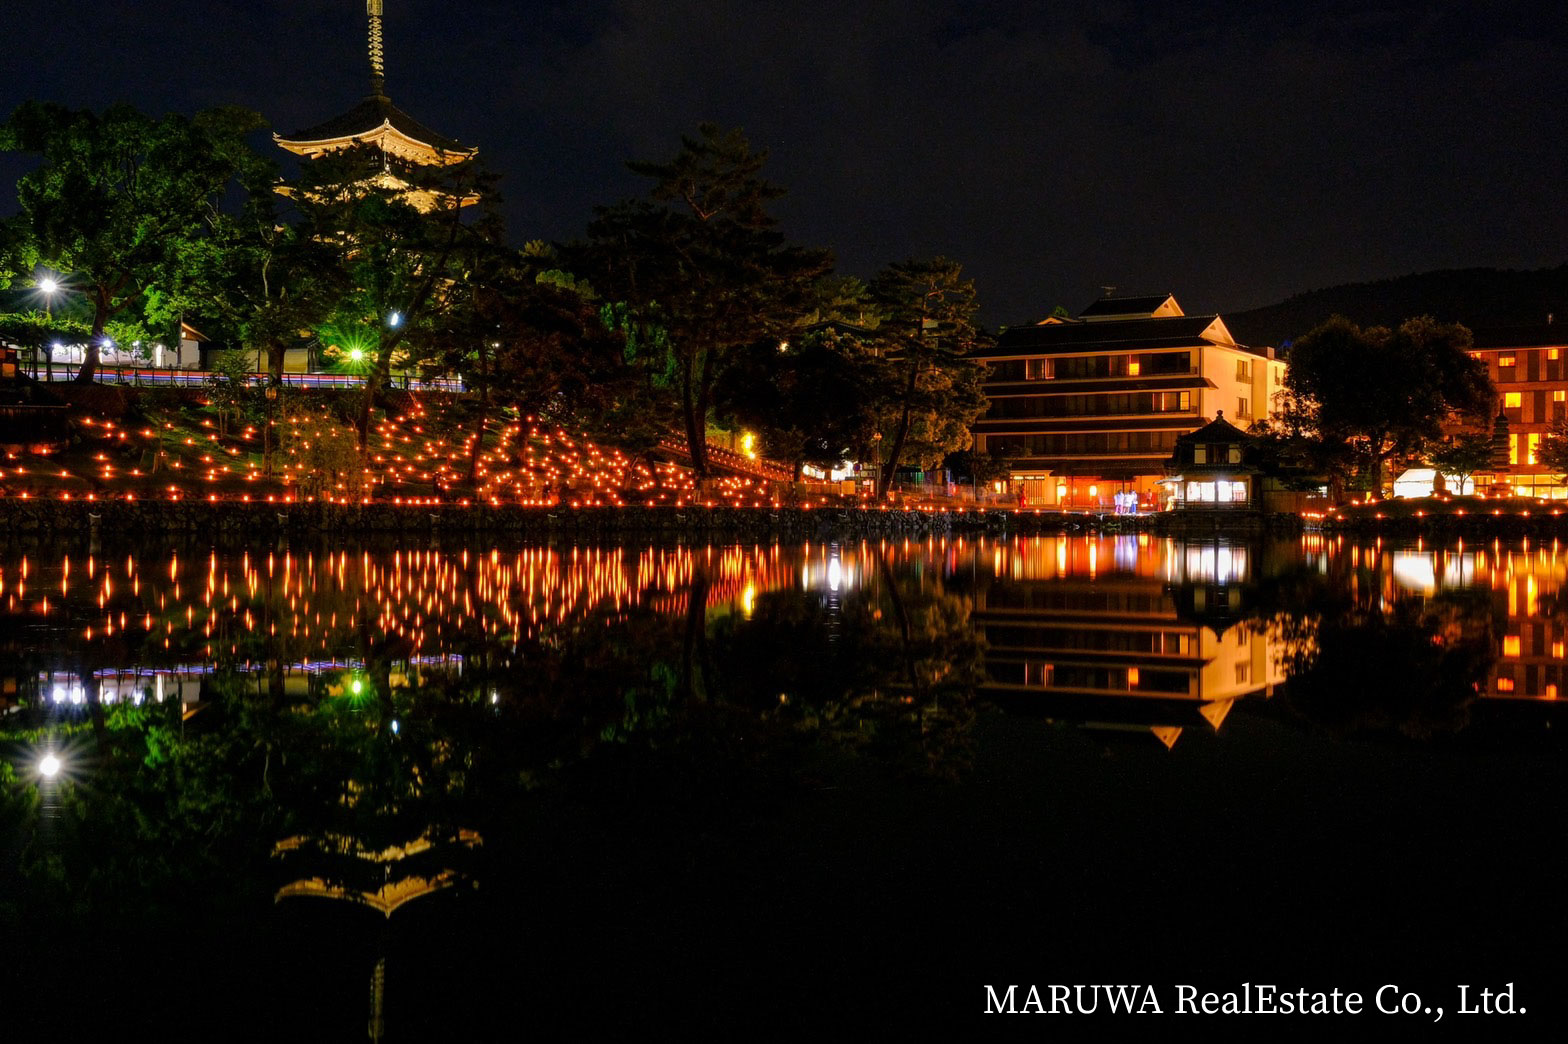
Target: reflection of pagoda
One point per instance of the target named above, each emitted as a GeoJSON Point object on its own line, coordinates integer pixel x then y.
{"type": "Point", "coordinates": [340, 867]}
{"type": "Point", "coordinates": [404, 142]}
{"type": "Point", "coordinates": [1110, 641]}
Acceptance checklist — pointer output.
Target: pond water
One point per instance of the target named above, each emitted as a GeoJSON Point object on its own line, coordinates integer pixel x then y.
{"type": "Point", "coordinates": [465, 792]}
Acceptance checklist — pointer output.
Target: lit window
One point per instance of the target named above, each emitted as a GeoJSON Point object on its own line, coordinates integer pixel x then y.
{"type": "Point", "coordinates": [1505, 685]}
{"type": "Point", "coordinates": [1531, 446]}
{"type": "Point", "coordinates": [1132, 677]}
{"type": "Point", "coordinates": [1511, 645]}
{"type": "Point", "coordinates": [1238, 492]}
{"type": "Point", "coordinates": [1513, 400]}
{"type": "Point", "coordinates": [1094, 491]}
{"type": "Point", "coordinates": [1551, 353]}
{"type": "Point", "coordinates": [1235, 454]}
{"type": "Point", "coordinates": [1133, 367]}
{"type": "Point", "coordinates": [1557, 650]}
{"type": "Point", "coordinates": [1559, 396]}
{"type": "Point", "coordinates": [1551, 692]}
{"type": "Point", "coordinates": [1200, 454]}
{"type": "Point", "coordinates": [1505, 360]}
{"type": "Point", "coordinates": [1513, 448]}
{"type": "Point", "coordinates": [1186, 400]}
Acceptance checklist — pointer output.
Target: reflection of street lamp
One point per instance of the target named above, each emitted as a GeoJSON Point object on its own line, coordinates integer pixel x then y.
{"type": "Point", "coordinates": [876, 453]}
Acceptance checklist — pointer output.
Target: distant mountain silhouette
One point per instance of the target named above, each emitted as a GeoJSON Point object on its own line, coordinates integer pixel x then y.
{"type": "Point", "coordinates": [1473, 296]}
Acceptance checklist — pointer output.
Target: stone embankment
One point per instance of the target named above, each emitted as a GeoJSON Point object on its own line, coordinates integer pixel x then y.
{"type": "Point", "coordinates": [37, 519]}
{"type": "Point", "coordinates": [227, 522]}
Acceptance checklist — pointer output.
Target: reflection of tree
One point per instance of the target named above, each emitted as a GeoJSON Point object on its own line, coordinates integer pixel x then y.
{"type": "Point", "coordinates": [890, 673]}
{"type": "Point", "coordinates": [1414, 668]}
{"type": "Point", "coordinates": [701, 716]}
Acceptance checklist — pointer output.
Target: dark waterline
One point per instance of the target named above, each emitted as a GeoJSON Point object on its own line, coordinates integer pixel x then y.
{"type": "Point", "coordinates": [762, 785]}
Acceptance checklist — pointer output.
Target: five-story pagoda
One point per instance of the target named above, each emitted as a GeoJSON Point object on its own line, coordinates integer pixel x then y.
{"type": "Point", "coordinates": [403, 141]}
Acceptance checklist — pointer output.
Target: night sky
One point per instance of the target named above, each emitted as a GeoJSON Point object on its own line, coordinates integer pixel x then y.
{"type": "Point", "coordinates": [1233, 154]}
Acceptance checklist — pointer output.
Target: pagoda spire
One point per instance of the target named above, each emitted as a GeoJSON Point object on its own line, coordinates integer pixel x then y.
{"type": "Point", "coordinates": [378, 72]}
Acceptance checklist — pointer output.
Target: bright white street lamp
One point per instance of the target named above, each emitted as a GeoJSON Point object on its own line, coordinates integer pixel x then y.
{"type": "Point", "coordinates": [49, 766]}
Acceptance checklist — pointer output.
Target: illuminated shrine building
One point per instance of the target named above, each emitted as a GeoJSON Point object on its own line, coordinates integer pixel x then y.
{"type": "Point", "coordinates": [1210, 469]}
{"type": "Point", "coordinates": [404, 142]}
{"type": "Point", "coordinates": [1529, 366]}
{"type": "Point", "coordinates": [1091, 406]}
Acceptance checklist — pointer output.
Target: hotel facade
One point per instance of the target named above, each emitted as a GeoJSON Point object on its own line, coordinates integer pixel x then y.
{"type": "Point", "coordinates": [1091, 406]}
{"type": "Point", "coordinates": [1529, 366]}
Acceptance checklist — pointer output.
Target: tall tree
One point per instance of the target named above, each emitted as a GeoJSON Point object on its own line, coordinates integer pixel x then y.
{"type": "Point", "coordinates": [930, 393]}
{"type": "Point", "coordinates": [120, 202]}
{"type": "Point", "coordinates": [703, 258]}
{"type": "Point", "coordinates": [1386, 393]}
{"type": "Point", "coordinates": [808, 398]}
{"type": "Point", "coordinates": [401, 235]}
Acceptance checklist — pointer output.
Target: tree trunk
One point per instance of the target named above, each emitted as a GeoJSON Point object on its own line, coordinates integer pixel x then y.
{"type": "Point", "coordinates": [89, 371]}
{"type": "Point", "coordinates": [373, 384]}
{"type": "Point", "coordinates": [885, 480]}
{"type": "Point", "coordinates": [275, 355]}
{"type": "Point", "coordinates": [479, 422]}
{"type": "Point", "coordinates": [696, 434]}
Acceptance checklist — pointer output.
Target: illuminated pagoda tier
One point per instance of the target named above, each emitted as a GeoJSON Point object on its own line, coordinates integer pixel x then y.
{"type": "Point", "coordinates": [404, 142]}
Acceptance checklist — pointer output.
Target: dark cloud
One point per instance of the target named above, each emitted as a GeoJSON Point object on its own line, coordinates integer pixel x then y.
{"type": "Point", "coordinates": [1231, 153]}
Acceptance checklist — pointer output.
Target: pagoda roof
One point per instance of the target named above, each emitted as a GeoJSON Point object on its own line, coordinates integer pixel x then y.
{"type": "Point", "coordinates": [1217, 430]}
{"type": "Point", "coordinates": [370, 120]}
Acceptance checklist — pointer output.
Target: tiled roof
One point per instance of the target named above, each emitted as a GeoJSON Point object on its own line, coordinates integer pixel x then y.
{"type": "Point", "coordinates": [1143, 304]}
{"type": "Point", "coordinates": [1130, 334]}
{"type": "Point", "coordinates": [370, 114]}
{"type": "Point", "coordinates": [1217, 430]}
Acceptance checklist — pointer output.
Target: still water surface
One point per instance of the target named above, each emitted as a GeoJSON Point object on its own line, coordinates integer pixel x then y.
{"type": "Point", "coordinates": [425, 790]}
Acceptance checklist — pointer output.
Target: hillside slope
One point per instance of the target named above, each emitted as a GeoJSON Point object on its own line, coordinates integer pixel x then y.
{"type": "Point", "coordinates": [1473, 296]}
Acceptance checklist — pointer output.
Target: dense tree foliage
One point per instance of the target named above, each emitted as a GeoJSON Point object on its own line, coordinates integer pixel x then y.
{"type": "Point", "coordinates": [123, 203]}
{"type": "Point", "coordinates": [703, 259]}
{"type": "Point", "coordinates": [682, 310]}
{"type": "Point", "coordinates": [1362, 398]}
{"type": "Point", "coordinates": [928, 393]}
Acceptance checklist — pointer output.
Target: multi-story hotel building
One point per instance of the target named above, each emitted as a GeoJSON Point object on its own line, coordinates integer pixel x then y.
{"type": "Point", "coordinates": [1529, 365]}
{"type": "Point", "coordinates": [1091, 406]}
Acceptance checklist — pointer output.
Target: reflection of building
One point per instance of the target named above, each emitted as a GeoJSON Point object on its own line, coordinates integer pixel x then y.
{"type": "Point", "coordinates": [1091, 406]}
{"type": "Point", "coordinates": [1527, 364]}
{"type": "Point", "coordinates": [1122, 633]}
{"type": "Point", "coordinates": [1526, 587]}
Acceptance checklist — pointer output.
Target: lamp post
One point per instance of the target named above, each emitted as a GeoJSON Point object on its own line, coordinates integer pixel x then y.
{"type": "Point", "coordinates": [48, 287]}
